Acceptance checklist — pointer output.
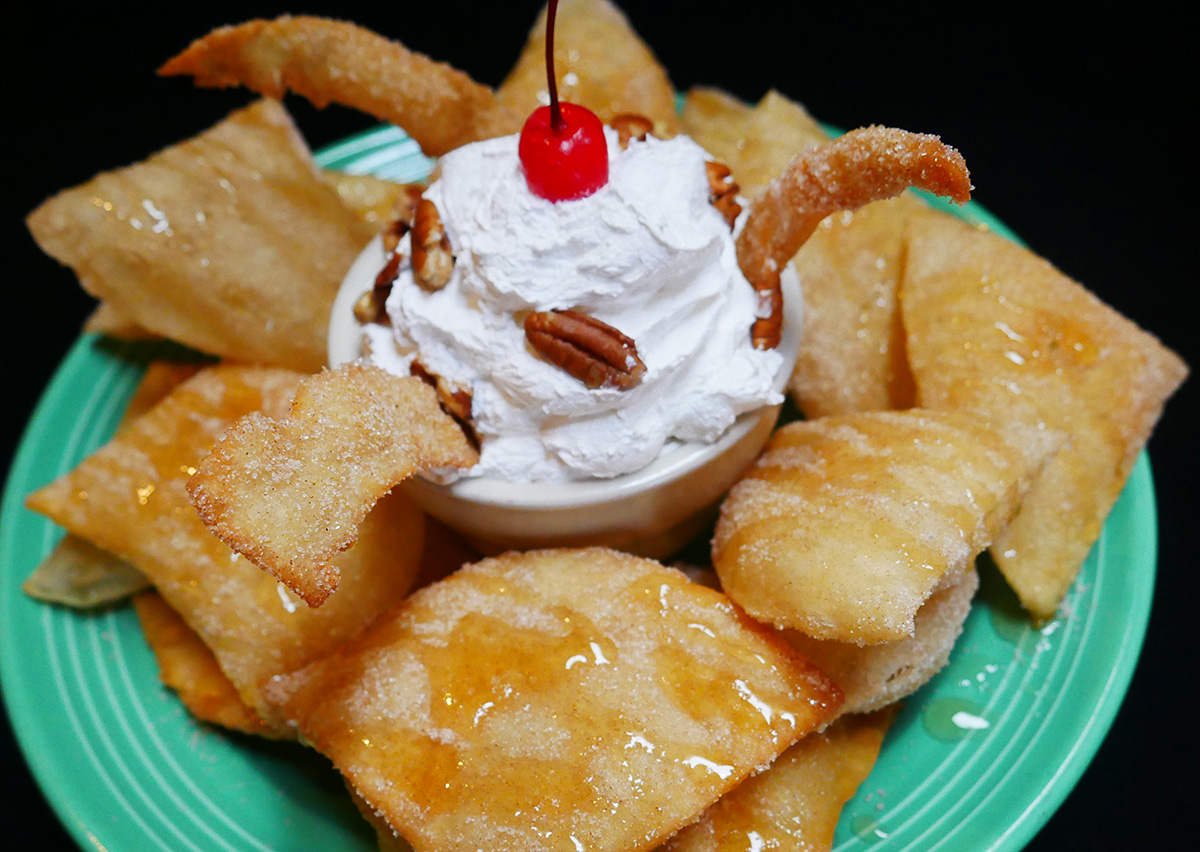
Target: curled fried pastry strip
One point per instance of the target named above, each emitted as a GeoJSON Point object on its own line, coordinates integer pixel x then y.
{"type": "Point", "coordinates": [857, 168]}
{"type": "Point", "coordinates": [290, 494]}
{"type": "Point", "coordinates": [327, 61]}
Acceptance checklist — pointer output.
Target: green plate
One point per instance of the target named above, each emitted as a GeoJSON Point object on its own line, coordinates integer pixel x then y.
{"type": "Point", "coordinates": [978, 759]}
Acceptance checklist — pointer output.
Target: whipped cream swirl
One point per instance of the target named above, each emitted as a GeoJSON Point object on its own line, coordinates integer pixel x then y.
{"type": "Point", "coordinates": [647, 254]}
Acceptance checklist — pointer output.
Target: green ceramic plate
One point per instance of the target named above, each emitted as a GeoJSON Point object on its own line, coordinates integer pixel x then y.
{"type": "Point", "coordinates": [978, 760]}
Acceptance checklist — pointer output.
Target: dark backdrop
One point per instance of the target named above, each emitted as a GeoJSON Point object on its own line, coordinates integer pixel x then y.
{"type": "Point", "coordinates": [1071, 126]}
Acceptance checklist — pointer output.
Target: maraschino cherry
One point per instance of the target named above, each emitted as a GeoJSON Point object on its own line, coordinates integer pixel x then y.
{"type": "Point", "coordinates": [562, 150]}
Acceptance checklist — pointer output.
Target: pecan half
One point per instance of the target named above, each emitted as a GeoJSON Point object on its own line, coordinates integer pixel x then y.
{"type": "Point", "coordinates": [631, 125]}
{"type": "Point", "coordinates": [722, 191]}
{"type": "Point", "coordinates": [586, 348]}
{"type": "Point", "coordinates": [432, 260]}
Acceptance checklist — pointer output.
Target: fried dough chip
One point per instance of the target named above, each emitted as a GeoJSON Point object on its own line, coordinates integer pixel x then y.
{"type": "Point", "coordinates": [864, 165]}
{"type": "Point", "coordinates": [386, 838]}
{"type": "Point", "coordinates": [756, 142]}
{"type": "Point", "coordinates": [871, 678]}
{"type": "Point", "coordinates": [79, 574]}
{"type": "Point", "coordinates": [541, 696]}
{"type": "Point", "coordinates": [109, 321]}
{"type": "Point", "coordinates": [329, 61]}
{"type": "Point", "coordinates": [717, 121]}
{"type": "Point", "coordinates": [601, 64]}
{"type": "Point", "coordinates": [290, 493]}
{"type": "Point", "coordinates": [82, 576]}
{"type": "Point", "coordinates": [995, 329]}
{"type": "Point", "coordinates": [777, 130]}
{"type": "Point", "coordinates": [852, 355]}
{"type": "Point", "coordinates": [374, 200]}
{"type": "Point", "coordinates": [445, 551]}
{"type": "Point", "coordinates": [229, 242]}
{"type": "Point", "coordinates": [130, 498]}
{"type": "Point", "coordinates": [159, 379]}
{"type": "Point", "coordinates": [188, 667]}
{"type": "Point", "coordinates": [846, 525]}
{"type": "Point", "coordinates": [796, 803]}
{"type": "Point", "coordinates": [370, 198]}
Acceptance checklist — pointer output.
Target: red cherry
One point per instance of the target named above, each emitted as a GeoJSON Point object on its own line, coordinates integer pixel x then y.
{"type": "Point", "coordinates": [563, 151]}
{"type": "Point", "coordinates": [565, 163]}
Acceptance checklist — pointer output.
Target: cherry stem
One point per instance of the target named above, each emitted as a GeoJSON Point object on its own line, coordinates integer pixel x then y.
{"type": "Point", "coordinates": [557, 125]}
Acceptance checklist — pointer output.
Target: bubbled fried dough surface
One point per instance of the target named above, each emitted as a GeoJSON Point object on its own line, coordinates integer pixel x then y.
{"type": "Point", "coordinates": [993, 328]}
{"type": "Point", "coordinates": [795, 804]}
{"type": "Point", "coordinates": [852, 354]}
{"type": "Point", "coordinates": [846, 525]}
{"type": "Point", "coordinates": [873, 677]}
{"type": "Point", "coordinates": [230, 242]}
{"type": "Point", "coordinates": [538, 697]}
{"type": "Point", "coordinates": [187, 666]}
{"type": "Point", "coordinates": [291, 492]}
{"type": "Point", "coordinates": [130, 498]}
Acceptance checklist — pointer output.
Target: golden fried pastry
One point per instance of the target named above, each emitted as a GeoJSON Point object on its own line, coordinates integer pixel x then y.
{"type": "Point", "coordinates": [109, 321]}
{"type": "Point", "coordinates": [187, 666]}
{"type": "Point", "coordinates": [777, 130]}
{"type": "Point", "coordinates": [878, 675]}
{"type": "Point", "coordinates": [757, 143]}
{"type": "Point", "coordinates": [329, 61]}
{"type": "Point", "coordinates": [386, 838]}
{"type": "Point", "coordinates": [229, 242]}
{"type": "Point", "coordinates": [290, 492]}
{"type": "Point", "coordinates": [537, 697]}
{"type": "Point", "coordinates": [995, 329]}
{"type": "Point", "coordinates": [795, 804]}
{"type": "Point", "coordinates": [445, 551]}
{"type": "Point", "coordinates": [846, 525]}
{"type": "Point", "coordinates": [862, 166]}
{"type": "Point", "coordinates": [79, 574]}
{"type": "Point", "coordinates": [852, 355]}
{"type": "Point", "coordinates": [717, 121]}
{"type": "Point", "coordinates": [600, 63]}
{"type": "Point", "coordinates": [130, 498]}
{"type": "Point", "coordinates": [377, 202]}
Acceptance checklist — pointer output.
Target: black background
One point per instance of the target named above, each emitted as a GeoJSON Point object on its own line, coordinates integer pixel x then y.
{"type": "Point", "coordinates": [1075, 129]}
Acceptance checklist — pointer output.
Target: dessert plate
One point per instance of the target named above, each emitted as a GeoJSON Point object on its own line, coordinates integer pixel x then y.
{"type": "Point", "coordinates": [977, 760]}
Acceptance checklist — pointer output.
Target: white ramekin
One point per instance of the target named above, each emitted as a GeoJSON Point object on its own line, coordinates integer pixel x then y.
{"type": "Point", "coordinates": [653, 512]}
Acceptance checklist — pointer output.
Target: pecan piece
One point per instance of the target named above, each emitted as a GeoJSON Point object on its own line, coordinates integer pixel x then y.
{"type": "Point", "coordinates": [370, 306]}
{"type": "Point", "coordinates": [586, 348]}
{"type": "Point", "coordinates": [394, 232]}
{"type": "Point", "coordinates": [767, 329]}
{"type": "Point", "coordinates": [405, 207]}
{"type": "Point", "coordinates": [629, 126]}
{"type": "Point", "coordinates": [432, 260]}
{"type": "Point", "coordinates": [722, 191]}
{"type": "Point", "coordinates": [454, 400]}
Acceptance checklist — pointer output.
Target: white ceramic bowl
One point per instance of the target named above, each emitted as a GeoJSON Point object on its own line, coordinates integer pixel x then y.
{"type": "Point", "coordinates": [653, 512]}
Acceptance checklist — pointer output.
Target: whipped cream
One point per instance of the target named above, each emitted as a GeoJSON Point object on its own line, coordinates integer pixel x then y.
{"type": "Point", "coordinates": [647, 254]}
